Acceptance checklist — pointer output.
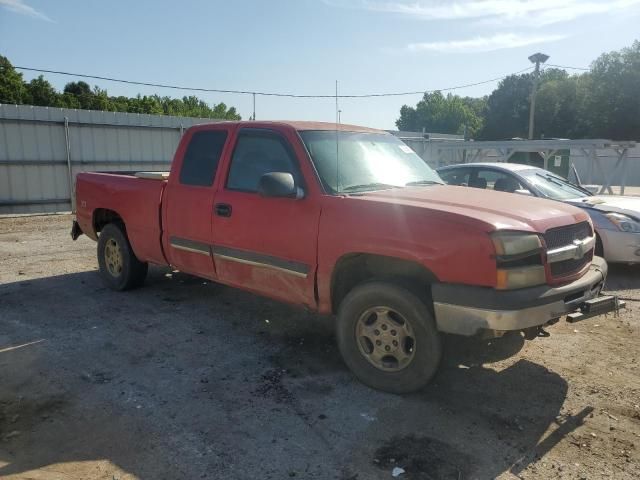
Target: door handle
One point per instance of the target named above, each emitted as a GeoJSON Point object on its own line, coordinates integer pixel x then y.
{"type": "Point", "coordinates": [223, 209]}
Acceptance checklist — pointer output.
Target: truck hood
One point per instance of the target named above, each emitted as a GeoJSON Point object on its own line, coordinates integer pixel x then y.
{"type": "Point", "coordinates": [495, 210]}
{"type": "Point", "coordinates": [610, 203]}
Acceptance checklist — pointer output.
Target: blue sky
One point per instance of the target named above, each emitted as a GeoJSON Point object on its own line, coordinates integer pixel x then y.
{"type": "Point", "coordinates": [304, 46]}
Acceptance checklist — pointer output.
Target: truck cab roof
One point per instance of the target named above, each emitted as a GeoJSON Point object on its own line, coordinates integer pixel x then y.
{"type": "Point", "coordinates": [301, 125]}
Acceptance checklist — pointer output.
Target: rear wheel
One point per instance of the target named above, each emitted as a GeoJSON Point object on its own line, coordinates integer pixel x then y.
{"type": "Point", "coordinates": [388, 338]}
{"type": "Point", "coordinates": [119, 267]}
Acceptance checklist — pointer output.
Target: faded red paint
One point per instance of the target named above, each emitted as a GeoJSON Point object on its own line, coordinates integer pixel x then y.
{"type": "Point", "coordinates": [444, 228]}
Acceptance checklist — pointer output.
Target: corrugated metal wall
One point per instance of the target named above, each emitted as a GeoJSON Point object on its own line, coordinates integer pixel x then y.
{"type": "Point", "coordinates": [42, 149]}
{"type": "Point", "coordinates": [590, 175]}
{"type": "Point", "coordinates": [39, 144]}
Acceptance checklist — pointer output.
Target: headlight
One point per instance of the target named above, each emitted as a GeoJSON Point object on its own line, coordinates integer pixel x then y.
{"type": "Point", "coordinates": [518, 260]}
{"type": "Point", "coordinates": [515, 243]}
{"type": "Point", "coordinates": [624, 223]}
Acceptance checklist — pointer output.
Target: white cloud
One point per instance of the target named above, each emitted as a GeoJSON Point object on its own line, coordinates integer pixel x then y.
{"type": "Point", "coordinates": [483, 44]}
{"type": "Point", "coordinates": [530, 12]}
{"type": "Point", "coordinates": [18, 6]}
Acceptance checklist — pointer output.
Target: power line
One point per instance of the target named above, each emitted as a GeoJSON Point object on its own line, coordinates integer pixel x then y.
{"type": "Point", "coordinates": [570, 68]}
{"type": "Point", "coordinates": [266, 94]}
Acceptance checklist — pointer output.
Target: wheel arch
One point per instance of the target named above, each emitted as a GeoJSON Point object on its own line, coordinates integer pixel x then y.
{"type": "Point", "coordinates": [104, 216]}
{"type": "Point", "coordinates": [353, 269]}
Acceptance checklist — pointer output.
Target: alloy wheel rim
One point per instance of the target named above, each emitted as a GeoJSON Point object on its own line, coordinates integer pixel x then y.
{"type": "Point", "coordinates": [385, 338]}
{"type": "Point", "coordinates": [113, 257]}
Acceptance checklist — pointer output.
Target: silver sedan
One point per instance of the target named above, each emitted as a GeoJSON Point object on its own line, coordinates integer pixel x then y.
{"type": "Point", "coordinates": [616, 218]}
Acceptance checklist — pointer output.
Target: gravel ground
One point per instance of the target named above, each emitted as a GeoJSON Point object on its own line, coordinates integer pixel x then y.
{"type": "Point", "coordinates": [188, 379]}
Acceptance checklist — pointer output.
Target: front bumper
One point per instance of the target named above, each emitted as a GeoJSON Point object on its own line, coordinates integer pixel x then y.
{"type": "Point", "coordinates": [467, 310]}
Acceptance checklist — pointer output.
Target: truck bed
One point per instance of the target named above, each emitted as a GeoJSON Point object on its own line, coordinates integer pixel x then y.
{"type": "Point", "coordinates": [153, 175]}
{"type": "Point", "coordinates": [137, 199]}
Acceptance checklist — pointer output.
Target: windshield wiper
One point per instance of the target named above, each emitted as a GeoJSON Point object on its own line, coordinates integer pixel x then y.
{"type": "Point", "coordinates": [564, 184]}
{"type": "Point", "coordinates": [368, 186]}
{"type": "Point", "coordinates": [551, 179]}
{"type": "Point", "coordinates": [423, 182]}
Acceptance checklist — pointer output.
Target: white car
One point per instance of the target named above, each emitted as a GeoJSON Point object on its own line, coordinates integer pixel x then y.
{"type": "Point", "coordinates": [616, 218]}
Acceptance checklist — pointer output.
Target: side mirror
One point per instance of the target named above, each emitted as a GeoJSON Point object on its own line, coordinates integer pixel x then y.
{"type": "Point", "coordinates": [524, 191]}
{"type": "Point", "coordinates": [279, 184]}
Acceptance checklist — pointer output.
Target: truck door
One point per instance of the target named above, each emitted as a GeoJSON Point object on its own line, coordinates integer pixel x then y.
{"type": "Point", "coordinates": [188, 202]}
{"type": "Point", "coordinates": [266, 245]}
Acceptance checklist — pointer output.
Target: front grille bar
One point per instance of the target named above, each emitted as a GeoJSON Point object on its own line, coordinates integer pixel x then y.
{"type": "Point", "coordinates": [577, 250]}
{"type": "Point", "coordinates": [561, 236]}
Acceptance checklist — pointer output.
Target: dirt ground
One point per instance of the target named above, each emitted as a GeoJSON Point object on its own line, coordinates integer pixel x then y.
{"type": "Point", "coordinates": [188, 379]}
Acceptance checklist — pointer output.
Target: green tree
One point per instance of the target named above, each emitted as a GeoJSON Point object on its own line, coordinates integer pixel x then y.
{"type": "Point", "coordinates": [145, 104]}
{"type": "Point", "coordinates": [42, 93]}
{"type": "Point", "coordinates": [80, 95]}
{"type": "Point", "coordinates": [120, 104]}
{"type": "Point", "coordinates": [221, 111]}
{"type": "Point", "coordinates": [194, 107]}
{"type": "Point", "coordinates": [12, 87]}
{"type": "Point", "coordinates": [559, 106]}
{"type": "Point", "coordinates": [172, 106]}
{"type": "Point", "coordinates": [613, 103]}
{"type": "Point", "coordinates": [507, 113]}
{"type": "Point", "coordinates": [442, 114]}
{"type": "Point", "coordinates": [68, 100]}
{"type": "Point", "coordinates": [83, 93]}
{"type": "Point", "coordinates": [100, 100]}
{"type": "Point", "coordinates": [478, 105]}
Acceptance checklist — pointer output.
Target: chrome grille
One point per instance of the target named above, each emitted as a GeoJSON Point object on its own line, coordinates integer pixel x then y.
{"type": "Point", "coordinates": [556, 238]}
{"type": "Point", "coordinates": [562, 236]}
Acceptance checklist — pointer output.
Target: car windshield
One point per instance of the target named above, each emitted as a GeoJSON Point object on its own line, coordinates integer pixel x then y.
{"type": "Point", "coordinates": [552, 186]}
{"type": "Point", "coordinates": [366, 161]}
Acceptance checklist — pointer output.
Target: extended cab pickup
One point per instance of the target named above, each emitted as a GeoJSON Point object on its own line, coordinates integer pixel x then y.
{"type": "Point", "coordinates": [349, 221]}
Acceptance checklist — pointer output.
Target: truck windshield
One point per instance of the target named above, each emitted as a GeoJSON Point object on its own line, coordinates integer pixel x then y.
{"type": "Point", "coordinates": [552, 186]}
{"type": "Point", "coordinates": [351, 162]}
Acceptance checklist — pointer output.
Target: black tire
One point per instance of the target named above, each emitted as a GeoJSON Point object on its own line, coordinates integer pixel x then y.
{"type": "Point", "coordinates": [427, 347]}
{"type": "Point", "coordinates": [129, 272]}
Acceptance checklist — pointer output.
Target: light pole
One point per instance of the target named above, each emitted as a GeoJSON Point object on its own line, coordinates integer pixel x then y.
{"type": "Point", "coordinates": [536, 58]}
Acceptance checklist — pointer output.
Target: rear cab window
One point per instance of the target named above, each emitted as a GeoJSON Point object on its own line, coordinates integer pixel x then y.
{"type": "Point", "coordinates": [202, 157]}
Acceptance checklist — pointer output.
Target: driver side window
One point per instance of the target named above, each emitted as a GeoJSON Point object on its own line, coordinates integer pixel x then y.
{"type": "Point", "coordinates": [258, 152]}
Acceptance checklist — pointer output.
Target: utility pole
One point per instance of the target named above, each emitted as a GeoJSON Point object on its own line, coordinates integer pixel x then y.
{"type": "Point", "coordinates": [536, 58]}
{"type": "Point", "coordinates": [254, 107]}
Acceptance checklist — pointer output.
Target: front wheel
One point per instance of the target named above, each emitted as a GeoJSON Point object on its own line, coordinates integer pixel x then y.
{"type": "Point", "coordinates": [119, 267]}
{"type": "Point", "coordinates": [388, 338]}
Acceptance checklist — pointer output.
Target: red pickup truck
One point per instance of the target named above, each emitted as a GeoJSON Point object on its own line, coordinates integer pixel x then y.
{"type": "Point", "coordinates": [349, 221]}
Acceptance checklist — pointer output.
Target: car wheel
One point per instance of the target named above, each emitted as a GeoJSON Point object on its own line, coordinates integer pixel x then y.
{"type": "Point", "coordinates": [388, 338]}
{"type": "Point", "coordinates": [119, 267]}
